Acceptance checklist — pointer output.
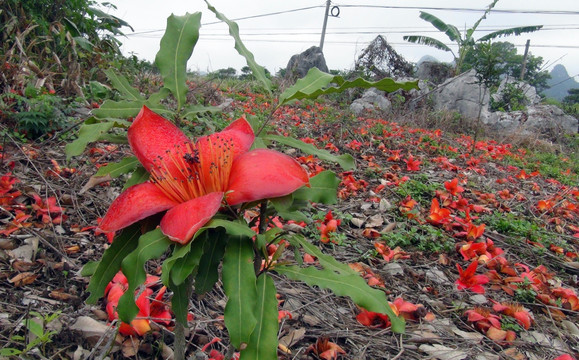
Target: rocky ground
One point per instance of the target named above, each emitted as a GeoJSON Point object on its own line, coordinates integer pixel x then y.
{"type": "Point", "coordinates": [422, 207]}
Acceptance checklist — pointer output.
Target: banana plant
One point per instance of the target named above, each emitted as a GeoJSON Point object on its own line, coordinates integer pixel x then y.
{"type": "Point", "coordinates": [464, 41]}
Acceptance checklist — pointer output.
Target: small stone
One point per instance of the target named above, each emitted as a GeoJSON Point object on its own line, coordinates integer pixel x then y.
{"type": "Point", "coordinates": [436, 276]}
{"type": "Point", "coordinates": [385, 205]}
{"type": "Point", "coordinates": [357, 222]}
{"type": "Point", "coordinates": [478, 299]}
{"type": "Point", "coordinates": [393, 269]}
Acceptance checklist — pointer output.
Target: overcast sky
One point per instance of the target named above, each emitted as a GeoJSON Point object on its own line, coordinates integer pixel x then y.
{"type": "Point", "coordinates": [273, 39]}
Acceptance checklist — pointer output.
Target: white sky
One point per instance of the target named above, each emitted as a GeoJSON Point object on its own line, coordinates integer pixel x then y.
{"type": "Point", "coordinates": [274, 39]}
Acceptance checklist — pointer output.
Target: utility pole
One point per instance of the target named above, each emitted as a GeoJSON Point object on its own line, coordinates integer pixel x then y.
{"type": "Point", "coordinates": [328, 2]}
{"type": "Point", "coordinates": [524, 68]}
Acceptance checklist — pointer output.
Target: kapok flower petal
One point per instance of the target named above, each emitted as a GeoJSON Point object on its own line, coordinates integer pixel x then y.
{"type": "Point", "coordinates": [151, 135]}
{"type": "Point", "coordinates": [182, 222]}
{"type": "Point", "coordinates": [242, 135]}
{"type": "Point", "coordinates": [262, 174]}
{"type": "Point", "coordinates": [134, 204]}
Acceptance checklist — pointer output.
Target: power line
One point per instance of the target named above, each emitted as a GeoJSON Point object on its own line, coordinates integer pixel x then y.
{"type": "Point", "coordinates": [268, 14]}
{"type": "Point", "coordinates": [544, 12]}
{"type": "Point", "coordinates": [391, 43]}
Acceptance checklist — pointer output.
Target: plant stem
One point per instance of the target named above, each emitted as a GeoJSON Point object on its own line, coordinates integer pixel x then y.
{"type": "Point", "coordinates": [180, 341]}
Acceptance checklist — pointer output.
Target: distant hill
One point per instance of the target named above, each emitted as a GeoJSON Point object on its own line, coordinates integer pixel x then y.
{"type": "Point", "coordinates": [560, 84]}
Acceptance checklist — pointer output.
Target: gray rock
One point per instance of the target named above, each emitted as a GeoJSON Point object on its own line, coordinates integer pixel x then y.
{"type": "Point", "coordinates": [535, 120]}
{"type": "Point", "coordinates": [393, 269]}
{"type": "Point", "coordinates": [436, 276]}
{"type": "Point", "coordinates": [372, 99]}
{"type": "Point", "coordinates": [463, 94]}
{"type": "Point", "coordinates": [299, 64]}
{"type": "Point", "coordinates": [478, 299]}
{"type": "Point", "coordinates": [549, 119]}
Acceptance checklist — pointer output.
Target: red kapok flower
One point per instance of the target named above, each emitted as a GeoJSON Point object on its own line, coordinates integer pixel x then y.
{"type": "Point", "coordinates": [190, 179]}
{"type": "Point", "coordinates": [516, 311]}
{"type": "Point", "coordinates": [453, 187]}
{"type": "Point", "coordinates": [438, 215]}
{"type": "Point", "coordinates": [468, 280]}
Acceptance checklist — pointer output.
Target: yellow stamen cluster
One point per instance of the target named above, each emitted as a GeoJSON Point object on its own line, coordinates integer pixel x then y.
{"type": "Point", "coordinates": [191, 170]}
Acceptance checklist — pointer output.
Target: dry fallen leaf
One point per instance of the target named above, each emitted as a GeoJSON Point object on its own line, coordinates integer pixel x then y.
{"type": "Point", "coordinates": [94, 181]}
{"type": "Point", "coordinates": [23, 279]}
{"type": "Point", "coordinates": [62, 296]}
{"type": "Point", "coordinates": [443, 352]}
{"type": "Point", "coordinates": [292, 337]}
{"type": "Point", "coordinates": [93, 330]}
{"type": "Point", "coordinates": [130, 347]}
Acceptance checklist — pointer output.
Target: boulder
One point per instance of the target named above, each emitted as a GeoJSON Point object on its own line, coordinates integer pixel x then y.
{"type": "Point", "coordinates": [463, 94]}
{"type": "Point", "coordinates": [299, 64]}
{"type": "Point", "coordinates": [549, 119]}
{"type": "Point", "coordinates": [433, 71]}
{"type": "Point", "coordinates": [536, 120]}
{"type": "Point", "coordinates": [372, 99]}
{"type": "Point", "coordinates": [531, 96]}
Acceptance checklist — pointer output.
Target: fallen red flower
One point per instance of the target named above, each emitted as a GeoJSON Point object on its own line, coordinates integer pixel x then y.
{"type": "Point", "coordinates": [325, 349]}
{"type": "Point", "coordinates": [437, 215]}
{"type": "Point", "coordinates": [452, 187]}
{"type": "Point", "coordinates": [468, 280]}
{"type": "Point", "coordinates": [516, 311]}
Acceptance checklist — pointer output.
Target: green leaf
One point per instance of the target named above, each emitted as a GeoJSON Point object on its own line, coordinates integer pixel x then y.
{"type": "Point", "coordinates": [188, 264]}
{"type": "Point", "coordinates": [426, 40]}
{"type": "Point", "coordinates": [140, 175]}
{"type": "Point", "coordinates": [263, 342]}
{"type": "Point", "coordinates": [121, 84]}
{"type": "Point", "coordinates": [115, 170]}
{"type": "Point", "coordinates": [512, 31]}
{"type": "Point", "coordinates": [353, 286]}
{"type": "Point", "coordinates": [87, 133]}
{"type": "Point", "coordinates": [239, 284]}
{"type": "Point", "coordinates": [325, 260]}
{"type": "Point", "coordinates": [208, 265]}
{"type": "Point", "coordinates": [232, 228]}
{"type": "Point", "coordinates": [346, 161]}
{"type": "Point", "coordinates": [257, 70]}
{"type": "Point", "coordinates": [180, 300]}
{"type": "Point", "coordinates": [89, 268]}
{"type": "Point", "coordinates": [118, 109]}
{"type": "Point", "coordinates": [323, 189]}
{"type": "Point", "coordinates": [177, 45]}
{"type": "Point", "coordinates": [110, 263]}
{"type": "Point", "coordinates": [317, 82]}
{"type": "Point", "coordinates": [192, 111]}
{"type": "Point", "coordinates": [450, 30]}
{"type": "Point", "coordinates": [151, 246]}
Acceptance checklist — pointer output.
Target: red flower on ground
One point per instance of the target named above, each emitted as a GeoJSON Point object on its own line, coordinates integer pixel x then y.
{"type": "Point", "coordinates": [157, 310]}
{"type": "Point", "coordinates": [437, 215]}
{"type": "Point", "coordinates": [373, 319]}
{"type": "Point", "coordinates": [468, 280]}
{"type": "Point", "coordinates": [452, 187]}
{"type": "Point", "coordinates": [516, 311]}
{"type": "Point", "coordinates": [482, 319]}
{"type": "Point", "coordinates": [412, 164]}
{"type": "Point", "coordinates": [390, 254]}
{"type": "Point", "coordinates": [190, 180]}
{"type": "Point", "coordinates": [325, 349]}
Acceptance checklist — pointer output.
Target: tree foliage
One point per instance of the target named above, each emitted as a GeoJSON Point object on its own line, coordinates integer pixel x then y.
{"type": "Point", "coordinates": [466, 41]}
{"type": "Point", "coordinates": [56, 44]}
{"type": "Point", "coordinates": [499, 59]}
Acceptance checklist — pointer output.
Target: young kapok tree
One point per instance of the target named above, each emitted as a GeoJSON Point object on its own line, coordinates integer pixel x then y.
{"type": "Point", "coordinates": [192, 198]}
